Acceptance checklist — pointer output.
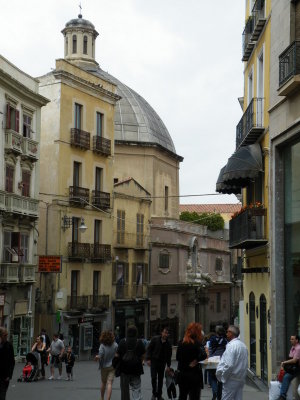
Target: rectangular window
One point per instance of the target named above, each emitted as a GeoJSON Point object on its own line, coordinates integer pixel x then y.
{"type": "Point", "coordinates": [24, 246]}
{"type": "Point", "coordinates": [98, 179]}
{"type": "Point", "coordinates": [166, 198]}
{"type": "Point", "coordinates": [26, 183]}
{"type": "Point", "coordinates": [9, 178]}
{"type": "Point", "coordinates": [139, 229]}
{"type": "Point", "coordinates": [75, 230]}
{"type": "Point", "coordinates": [14, 246]}
{"type": "Point", "coordinates": [163, 306]}
{"type": "Point", "coordinates": [164, 260]}
{"type": "Point", "coordinates": [96, 283]}
{"type": "Point", "coordinates": [12, 118]}
{"type": "Point", "coordinates": [76, 174]}
{"type": "Point", "coordinates": [97, 231]}
{"type": "Point", "coordinates": [26, 126]}
{"type": "Point", "coordinates": [120, 226]}
{"type": "Point", "coordinates": [99, 118]}
{"type": "Point", "coordinates": [218, 302]}
{"type": "Point", "coordinates": [78, 116]}
{"type": "Point", "coordinates": [74, 283]}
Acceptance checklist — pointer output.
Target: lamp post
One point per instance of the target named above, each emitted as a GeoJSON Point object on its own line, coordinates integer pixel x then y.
{"type": "Point", "coordinates": [67, 222]}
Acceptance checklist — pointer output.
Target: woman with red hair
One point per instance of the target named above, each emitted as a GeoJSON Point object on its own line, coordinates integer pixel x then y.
{"type": "Point", "coordinates": [189, 352]}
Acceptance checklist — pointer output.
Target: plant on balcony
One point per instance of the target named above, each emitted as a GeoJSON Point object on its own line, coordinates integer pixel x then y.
{"type": "Point", "coordinates": [256, 208]}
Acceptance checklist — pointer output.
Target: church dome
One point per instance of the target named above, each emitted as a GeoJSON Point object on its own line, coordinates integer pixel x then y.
{"type": "Point", "coordinates": [80, 22]}
{"type": "Point", "coordinates": [135, 120]}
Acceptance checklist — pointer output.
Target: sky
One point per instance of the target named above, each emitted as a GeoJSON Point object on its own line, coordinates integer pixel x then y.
{"type": "Point", "coordinates": [182, 56]}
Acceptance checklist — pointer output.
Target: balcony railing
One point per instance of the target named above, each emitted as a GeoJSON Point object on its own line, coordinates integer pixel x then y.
{"type": "Point", "coordinates": [248, 43]}
{"type": "Point", "coordinates": [138, 291]}
{"type": "Point", "coordinates": [130, 240]}
{"type": "Point", "coordinates": [100, 252]}
{"type": "Point", "coordinates": [251, 124]}
{"type": "Point", "coordinates": [79, 196]}
{"type": "Point", "coordinates": [99, 302]}
{"type": "Point", "coordinates": [79, 251]}
{"type": "Point", "coordinates": [122, 292]}
{"type": "Point", "coordinates": [27, 273]}
{"type": "Point", "coordinates": [78, 302]}
{"type": "Point", "coordinates": [101, 199]}
{"type": "Point", "coordinates": [80, 139]}
{"type": "Point", "coordinates": [289, 65]}
{"type": "Point", "coordinates": [246, 231]}
{"type": "Point", "coordinates": [2, 200]}
{"type": "Point", "coordinates": [21, 205]}
{"type": "Point", "coordinates": [30, 149]}
{"type": "Point", "coordinates": [9, 273]}
{"type": "Point", "coordinates": [13, 142]}
{"type": "Point", "coordinates": [101, 145]}
{"type": "Point", "coordinates": [259, 20]}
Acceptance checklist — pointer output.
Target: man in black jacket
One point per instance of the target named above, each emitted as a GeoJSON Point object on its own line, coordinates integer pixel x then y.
{"type": "Point", "coordinates": [158, 355]}
{"type": "Point", "coordinates": [7, 362]}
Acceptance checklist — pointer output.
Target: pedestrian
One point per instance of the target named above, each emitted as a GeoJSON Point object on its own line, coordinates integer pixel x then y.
{"type": "Point", "coordinates": [69, 359]}
{"type": "Point", "coordinates": [46, 338]}
{"type": "Point", "coordinates": [131, 351]}
{"type": "Point", "coordinates": [56, 351]}
{"type": "Point", "coordinates": [232, 368]}
{"type": "Point", "coordinates": [217, 346]}
{"type": "Point", "coordinates": [159, 353]}
{"type": "Point", "coordinates": [107, 351]}
{"type": "Point", "coordinates": [40, 347]}
{"type": "Point", "coordinates": [170, 383]}
{"type": "Point", "coordinates": [7, 362]}
{"type": "Point", "coordinates": [190, 352]}
{"type": "Point", "coordinates": [291, 366]}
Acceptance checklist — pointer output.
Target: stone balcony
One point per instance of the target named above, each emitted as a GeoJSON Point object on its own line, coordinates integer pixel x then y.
{"type": "Point", "coordinates": [13, 142]}
{"type": "Point", "coordinates": [20, 205]}
{"type": "Point", "coordinates": [17, 273]}
{"type": "Point", "coordinates": [29, 149]}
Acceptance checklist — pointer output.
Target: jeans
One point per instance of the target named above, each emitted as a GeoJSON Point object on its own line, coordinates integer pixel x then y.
{"type": "Point", "coordinates": [216, 386]}
{"type": "Point", "coordinates": [157, 378]}
{"type": "Point", "coordinates": [3, 388]}
{"type": "Point", "coordinates": [287, 379]}
{"type": "Point", "coordinates": [132, 381]}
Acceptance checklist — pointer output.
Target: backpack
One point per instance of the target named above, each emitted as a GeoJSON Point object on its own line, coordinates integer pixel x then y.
{"type": "Point", "coordinates": [130, 360]}
{"type": "Point", "coordinates": [218, 346]}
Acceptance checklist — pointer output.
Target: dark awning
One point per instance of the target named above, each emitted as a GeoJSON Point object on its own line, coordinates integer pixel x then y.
{"type": "Point", "coordinates": [242, 167]}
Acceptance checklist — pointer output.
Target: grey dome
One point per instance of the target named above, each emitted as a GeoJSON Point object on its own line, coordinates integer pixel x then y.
{"type": "Point", "coordinates": [135, 119]}
{"type": "Point", "coordinates": [80, 22]}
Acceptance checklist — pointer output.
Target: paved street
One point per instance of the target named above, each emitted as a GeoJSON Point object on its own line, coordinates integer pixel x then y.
{"type": "Point", "coordinates": [86, 386]}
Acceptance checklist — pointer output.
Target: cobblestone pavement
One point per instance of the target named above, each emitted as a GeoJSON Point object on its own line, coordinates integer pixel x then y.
{"type": "Point", "coordinates": [86, 385]}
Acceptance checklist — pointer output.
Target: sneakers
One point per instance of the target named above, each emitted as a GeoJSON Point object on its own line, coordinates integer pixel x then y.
{"type": "Point", "coordinates": [59, 377]}
{"type": "Point", "coordinates": [50, 378]}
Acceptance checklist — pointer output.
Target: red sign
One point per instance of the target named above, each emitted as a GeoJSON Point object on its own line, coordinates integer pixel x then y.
{"type": "Point", "coordinates": [49, 264]}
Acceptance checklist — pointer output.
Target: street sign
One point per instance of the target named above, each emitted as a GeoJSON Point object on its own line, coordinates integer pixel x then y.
{"type": "Point", "coordinates": [49, 264]}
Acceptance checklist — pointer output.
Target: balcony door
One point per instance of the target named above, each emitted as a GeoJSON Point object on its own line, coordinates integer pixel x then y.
{"type": "Point", "coordinates": [75, 236]}
{"type": "Point", "coordinates": [263, 338]}
{"type": "Point", "coordinates": [74, 287]}
{"type": "Point", "coordinates": [78, 116]}
{"type": "Point", "coordinates": [260, 91]}
{"type": "Point", "coordinates": [98, 179]}
{"type": "Point", "coordinates": [76, 174]}
{"type": "Point", "coordinates": [252, 331]}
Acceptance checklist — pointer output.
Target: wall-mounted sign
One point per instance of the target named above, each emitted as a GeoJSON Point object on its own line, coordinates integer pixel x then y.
{"type": "Point", "coordinates": [49, 264]}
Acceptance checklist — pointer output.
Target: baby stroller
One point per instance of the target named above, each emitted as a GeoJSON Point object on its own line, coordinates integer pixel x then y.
{"type": "Point", "coordinates": [30, 371]}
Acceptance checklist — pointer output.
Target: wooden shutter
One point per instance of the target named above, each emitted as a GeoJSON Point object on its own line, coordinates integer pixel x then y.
{"type": "Point", "coordinates": [26, 183]}
{"type": "Point", "coordinates": [17, 125]}
{"type": "Point", "coordinates": [126, 268]}
{"type": "Point", "coordinates": [7, 116]}
{"type": "Point", "coordinates": [114, 272]}
{"type": "Point", "coordinates": [134, 273]}
{"type": "Point", "coordinates": [9, 179]}
{"type": "Point", "coordinates": [146, 272]}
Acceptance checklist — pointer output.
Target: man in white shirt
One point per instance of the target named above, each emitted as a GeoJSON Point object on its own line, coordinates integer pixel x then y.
{"type": "Point", "coordinates": [56, 350]}
{"type": "Point", "coordinates": [233, 365]}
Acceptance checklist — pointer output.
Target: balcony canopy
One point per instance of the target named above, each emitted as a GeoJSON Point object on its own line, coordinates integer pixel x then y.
{"type": "Point", "coordinates": [243, 166]}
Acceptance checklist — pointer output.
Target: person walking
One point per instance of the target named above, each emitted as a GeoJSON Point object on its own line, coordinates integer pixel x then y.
{"type": "Point", "coordinates": [131, 351]}
{"type": "Point", "coordinates": [294, 363]}
{"type": "Point", "coordinates": [190, 352]}
{"type": "Point", "coordinates": [56, 351]}
{"type": "Point", "coordinates": [7, 362]}
{"type": "Point", "coordinates": [217, 347]}
{"type": "Point", "coordinates": [159, 353]}
{"type": "Point", "coordinates": [233, 365]}
{"type": "Point", "coordinates": [107, 351]}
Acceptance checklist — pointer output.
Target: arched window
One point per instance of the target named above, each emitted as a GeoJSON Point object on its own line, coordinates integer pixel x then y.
{"type": "Point", "coordinates": [85, 44]}
{"type": "Point", "coordinates": [252, 331]}
{"type": "Point", "coordinates": [66, 51]}
{"type": "Point", "coordinates": [74, 44]}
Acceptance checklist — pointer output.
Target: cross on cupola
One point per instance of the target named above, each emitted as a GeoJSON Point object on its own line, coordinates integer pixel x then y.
{"type": "Point", "coordinates": [80, 8]}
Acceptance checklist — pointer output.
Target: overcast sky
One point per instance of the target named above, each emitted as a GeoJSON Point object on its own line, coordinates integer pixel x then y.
{"type": "Point", "coordinates": [182, 56]}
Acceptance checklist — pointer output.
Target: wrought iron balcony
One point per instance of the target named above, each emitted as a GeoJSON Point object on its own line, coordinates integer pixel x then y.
{"type": "Point", "coordinates": [79, 196]}
{"type": "Point", "coordinates": [9, 273]}
{"type": "Point", "coordinates": [80, 139]}
{"type": "Point", "coordinates": [30, 149]}
{"type": "Point", "coordinates": [77, 303]}
{"type": "Point", "coordinates": [122, 292]}
{"type": "Point", "coordinates": [139, 291]}
{"type": "Point", "coordinates": [101, 199]}
{"type": "Point", "coordinates": [21, 205]}
{"type": "Point", "coordinates": [289, 69]}
{"type": "Point", "coordinates": [13, 142]}
{"type": "Point", "coordinates": [130, 240]}
{"type": "Point", "coordinates": [100, 252]}
{"type": "Point", "coordinates": [99, 302]}
{"type": "Point", "coordinates": [78, 251]}
{"type": "Point", "coordinates": [259, 20]}
{"type": "Point", "coordinates": [27, 273]}
{"type": "Point", "coordinates": [101, 145]}
{"type": "Point", "coordinates": [251, 124]}
{"type": "Point", "coordinates": [248, 43]}
{"type": "Point", "coordinates": [246, 231]}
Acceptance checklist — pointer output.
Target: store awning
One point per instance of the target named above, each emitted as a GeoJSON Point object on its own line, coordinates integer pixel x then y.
{"type": "Point", "coordinates": [242, 167]}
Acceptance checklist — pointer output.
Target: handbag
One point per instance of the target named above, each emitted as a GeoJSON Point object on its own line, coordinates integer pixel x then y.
{"type": "Point", "coordinates": [292, 369]}
{"type": "Point", "coordinates": [116, 363]}
{"type": "Point", "coordinates": [280, 375]}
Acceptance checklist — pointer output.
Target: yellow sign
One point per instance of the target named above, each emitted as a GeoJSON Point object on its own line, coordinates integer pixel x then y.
{"type": "Point", "coordinates": [49, 264]}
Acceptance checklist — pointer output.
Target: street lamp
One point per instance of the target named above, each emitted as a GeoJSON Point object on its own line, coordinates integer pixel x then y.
{"type": "Point", "coordinates": [68, 221]}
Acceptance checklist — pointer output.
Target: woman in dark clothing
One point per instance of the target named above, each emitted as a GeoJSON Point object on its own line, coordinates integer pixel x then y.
{"type": "Point", "coordinates": [40, 347]}
{"type": "Point", "coordinates": [189, 352]}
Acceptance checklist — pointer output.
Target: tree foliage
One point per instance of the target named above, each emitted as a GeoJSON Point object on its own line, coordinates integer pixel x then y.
{"type": "Point", "coordinates": [214, 222]}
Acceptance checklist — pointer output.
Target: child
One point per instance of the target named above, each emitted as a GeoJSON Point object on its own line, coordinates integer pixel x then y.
{"type": "Point", "coordinates": [69, 360]}
{"type": "Point", "coordinates": [170, 383]}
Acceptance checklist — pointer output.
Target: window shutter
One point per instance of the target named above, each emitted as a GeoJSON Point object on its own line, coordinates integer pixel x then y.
{"type": "Point", "coordinates": [26, 183]}
{"type": "Point", "coordinates": [126, 267]}
{"type": "Point", "coordinates": [146, 272]}
{"type": "Point", "coordinates": [9, 178]}
{"type": "Point", "coordinates": [114, 272]}
{"type": "Point", "coordinates": [17, 120]}
{"type": "Point", "coordinates": [134, 273]}
{"type": "Point", "coordinates": [7, 116]}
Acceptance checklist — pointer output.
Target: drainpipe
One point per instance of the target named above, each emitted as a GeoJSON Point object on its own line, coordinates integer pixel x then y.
{"type": "Point", "coordinates": [149, 281]}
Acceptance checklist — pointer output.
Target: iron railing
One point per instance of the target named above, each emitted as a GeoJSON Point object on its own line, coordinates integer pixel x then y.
{"type": "Point", "coordinates": [259, 20]}
{"type": "Point", "coordinates": [251, 123]}
{"type": "Point", "coordinates": [79, 196]}
{"type": "Point", "coordinates": [289, 62]}
{"type": "Point", "coordinates": [122, 291]}
{"type": "Point", "coordinates": [79, 250]}
{"type": "Point", "coordinates": [131, 240]}
{"type": "Point", "coordinates": [99, 302]}
{"type": "Point", "coordinates": [138, 291]}
{"type": "Point", "coordinates": [247, 229]}
{"type": "Point", "coordinates": [77, 302]}
{"type": "Point", "coordinates": [101, 145]}
{"type": "Point", "coordinates": [101, 199]}
{"type": "Point", "coordinates": [100, 252]}
{"type": "Point", "coordinates": [247, 38]}
{"type": "Point", "coordinates": [80, 138]}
